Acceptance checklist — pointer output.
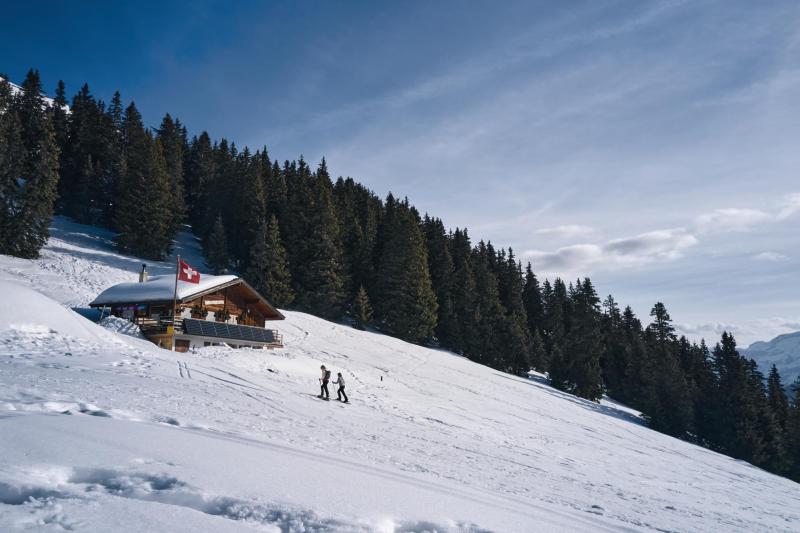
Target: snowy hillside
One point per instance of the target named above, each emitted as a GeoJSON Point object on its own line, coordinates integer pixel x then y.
{"type": "Point", "coordinates": [783, 351]}
{"type": "Point", "coordinates": [102, 431]}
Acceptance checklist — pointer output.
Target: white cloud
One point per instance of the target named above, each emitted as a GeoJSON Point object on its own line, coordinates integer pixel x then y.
{"type": "Point", "coordinates": [730, 219]}
{"type": "Point", "coordinates": [566, 231]}
{"type": "Point", "coordinates": [769, 256]}
{"type": "Point", "coordinates": [741, 219]}
{"type": "Point", "coordinates": [625, 252]}
{"type": "Point", "coordinates": [791, 205]}
{"type": "Point", "coordinates": [659, 245]}
{"type": "Point", "coordinates": [745, 332]}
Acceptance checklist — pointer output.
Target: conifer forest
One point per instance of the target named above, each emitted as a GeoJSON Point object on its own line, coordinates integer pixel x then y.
{"type": "Point", "coordinates": [331, 247]}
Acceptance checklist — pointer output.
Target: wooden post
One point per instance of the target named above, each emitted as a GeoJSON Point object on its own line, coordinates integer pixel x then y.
{"type": "Point", "coordinates": [175, 300]}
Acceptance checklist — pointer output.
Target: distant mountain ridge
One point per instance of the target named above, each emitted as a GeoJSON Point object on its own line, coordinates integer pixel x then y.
{"type": "Point", "coordinates": [783, 351]}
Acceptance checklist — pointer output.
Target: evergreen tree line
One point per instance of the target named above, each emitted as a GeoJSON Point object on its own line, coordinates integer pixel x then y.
{"type": "Point", "coordinates": [335, 249]}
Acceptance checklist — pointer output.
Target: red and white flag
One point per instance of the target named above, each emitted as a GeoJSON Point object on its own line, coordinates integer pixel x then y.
{"type": "Point", "coordinates": [187, 273]}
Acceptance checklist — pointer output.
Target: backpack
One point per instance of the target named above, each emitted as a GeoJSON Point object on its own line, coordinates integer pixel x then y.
{"type": "Point", "coordinates": [327, 375]}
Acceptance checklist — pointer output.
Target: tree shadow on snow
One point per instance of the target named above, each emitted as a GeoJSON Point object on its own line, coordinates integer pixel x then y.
{"type": "Point", "coordinates": [540, 383]}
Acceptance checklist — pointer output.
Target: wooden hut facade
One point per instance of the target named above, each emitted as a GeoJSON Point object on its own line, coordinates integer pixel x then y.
{"type": "Point", "coordinates": [219, 309]}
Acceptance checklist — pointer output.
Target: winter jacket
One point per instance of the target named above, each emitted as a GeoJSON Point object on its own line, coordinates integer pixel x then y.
{"type": "Point", "coordinates": [339, 381]}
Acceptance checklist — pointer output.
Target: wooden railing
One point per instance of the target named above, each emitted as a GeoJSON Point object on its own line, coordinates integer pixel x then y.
{"type": "Point", "coordinates": [158, 325]}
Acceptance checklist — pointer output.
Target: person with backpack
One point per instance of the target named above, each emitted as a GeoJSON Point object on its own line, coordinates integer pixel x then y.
{"type": "Point", "coordinates": [340, 391]}
{"type": "Point", "coordinates": [326, 377]}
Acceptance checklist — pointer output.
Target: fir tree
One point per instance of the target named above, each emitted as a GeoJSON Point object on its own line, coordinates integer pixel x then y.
{"type": "Point", "coordinates": [532, 300]}
{"type": "Point", "coordinates": [361, 309]}
{"type": "Point", "coordinates": [405, 305]}
{"type": "Point", "coordinates": [538, 352]}
{"type": "Point", "coordinates": [778, 402]}
{"type": "Point", "coordinates": [320, 274]}
{"type": "Point", "coordinates": [248, 195]}
{"type": "Point", "coordinates": [792, 433]}
{"type": "Point", "coordinates": [668, 403]}
{"type": "Point", "coordinates": [579, 368]}
{"type": "Point", "coordinates": [215, 248]}
{"type": "Point", "coordinates": [267, 268]}
{"type": "Point", "coordinates": [199, 173]}
{"type": "Point", "coordinates": [490, 314]}
{"type": "Point", "coordinates": [465, 337]}
{"type": "Point", "coordinates": [12, 153]}
{"type": "Point", "coordinates": [440, 265]}
{"type": "Point", "coordinates": [144, 216]}
{"type": "Point", "coordinates": [614, 361]}
{"type": "Point", "coordinates": [170, 134]}
{"type": "Point", "coordinates": [60, 117]}
{"type": "Point", "coordinates": [34, 196]}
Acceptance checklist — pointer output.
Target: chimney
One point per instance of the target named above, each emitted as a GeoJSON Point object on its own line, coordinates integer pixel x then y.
{"type": "Point", "coordinates": [143, 274]}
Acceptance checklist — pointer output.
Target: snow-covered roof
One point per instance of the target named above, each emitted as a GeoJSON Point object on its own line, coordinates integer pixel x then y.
{"type": "Point", "coordinates": [160, 289]}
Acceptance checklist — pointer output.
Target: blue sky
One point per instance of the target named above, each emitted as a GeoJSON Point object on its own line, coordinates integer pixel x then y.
{"type": "Point", "coordinates": [650, 145]}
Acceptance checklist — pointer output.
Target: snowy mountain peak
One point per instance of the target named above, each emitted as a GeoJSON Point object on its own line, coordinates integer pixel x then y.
{"type": "Point", "coordinates": [783, 351]}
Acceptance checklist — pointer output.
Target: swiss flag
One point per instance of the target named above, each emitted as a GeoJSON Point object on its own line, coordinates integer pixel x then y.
{"type": "Point", "coordinates": [187, 273]}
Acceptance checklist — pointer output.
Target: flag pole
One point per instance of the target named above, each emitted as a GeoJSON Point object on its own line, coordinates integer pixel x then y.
{"type": "Point", "coordinates": [175, 301]}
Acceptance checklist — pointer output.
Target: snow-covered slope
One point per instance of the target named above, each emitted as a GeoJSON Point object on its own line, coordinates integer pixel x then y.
{"type": "Point", "coordinates": [783, 351]}
{"type": "Point", "coordinates": [101, 431]}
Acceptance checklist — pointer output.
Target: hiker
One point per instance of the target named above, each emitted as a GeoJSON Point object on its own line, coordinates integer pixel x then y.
{"type": "Point", "coordinates": [326, 377]}
{"type": "Point", "coordinates": [340, 391]}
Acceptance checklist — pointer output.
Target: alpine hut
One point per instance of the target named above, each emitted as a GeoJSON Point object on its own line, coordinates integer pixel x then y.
{"type": "Point", "coordinates": [218, 309]}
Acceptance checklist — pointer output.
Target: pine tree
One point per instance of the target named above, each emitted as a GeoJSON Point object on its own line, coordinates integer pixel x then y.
{"type": "Point", "coordinates": [144, 216]}
{"type": "Point", "coordinates": [267, 269]}
{"type": "Point", "coordinates": [199, 171]}
{"type": "Point", "coordinates": [465, 337]}
{"type": "Point", "coordinates": [60, 118]}
{"type": "Point", "coordinates": [320, 278]}
{"type": "Point", "coordinates": [792, 433]}
{"type": "Point", "coordinates": [116, 111]}
{"type": "Point", "coordinates": [361, 309]}
{"type": "Point", "coordinates": [555, 307]}
{"type": "Point", "coordinates": [668, 403]}
{"type": "Point", "coordinates": [170, 134]}
{"type": "Point", "coordinates": [532, 300]}
{"type": "Point", "coordinates": [614, 361]}
{"type": "Point", "coordinates": [538, 352]}
{"type": "Point", "coordinates": [778, 402]}
{"type": "Point", "coordinates": [12, 154]}
{"type": "Point", "coordinates": [579, 368]}
{"type": "Point", "coordinates": [440, 265]}
{"type": "Point", "coordinates": [249, 197]}
{"type": "Point", "coordinates": [33, 198]}
{"type": "Point", "coordinates": [405, 303]}
{"type": "Point", "coordinates": [215, 248]}
{"type": "Point", "coordinates": [515, 336]}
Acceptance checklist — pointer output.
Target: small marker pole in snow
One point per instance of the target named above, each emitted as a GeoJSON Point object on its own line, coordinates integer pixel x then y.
{"type": "Point", "coordinates": [175, 301]}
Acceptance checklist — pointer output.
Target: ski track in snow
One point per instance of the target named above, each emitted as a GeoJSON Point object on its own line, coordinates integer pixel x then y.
{"type": "Point", "coordinates": [96, 424]}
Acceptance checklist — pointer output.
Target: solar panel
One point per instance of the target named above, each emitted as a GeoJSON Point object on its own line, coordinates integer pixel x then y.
{"type": "Point", "coordinates": [221, 330]}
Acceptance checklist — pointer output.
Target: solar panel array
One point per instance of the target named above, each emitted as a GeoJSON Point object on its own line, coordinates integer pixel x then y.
{"type": "Point", "coordinates": [207, 328]}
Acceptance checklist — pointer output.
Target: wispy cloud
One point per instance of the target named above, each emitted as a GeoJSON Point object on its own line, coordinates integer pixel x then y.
{"type": "Point", "coordinates": [658, 245]}
{"type": "Point", "coordinates": [626, 252]}
{"type": "Point", "coordinates": [566, 231]}
{"type": "Point", "coordinates": [730, 219]}
{"type": "Point", "coordinates": [769, 256]}
{"type": "Point", "coordinates": [745, 332]}
{"type": "Point", "coordinates": [740, 219]}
